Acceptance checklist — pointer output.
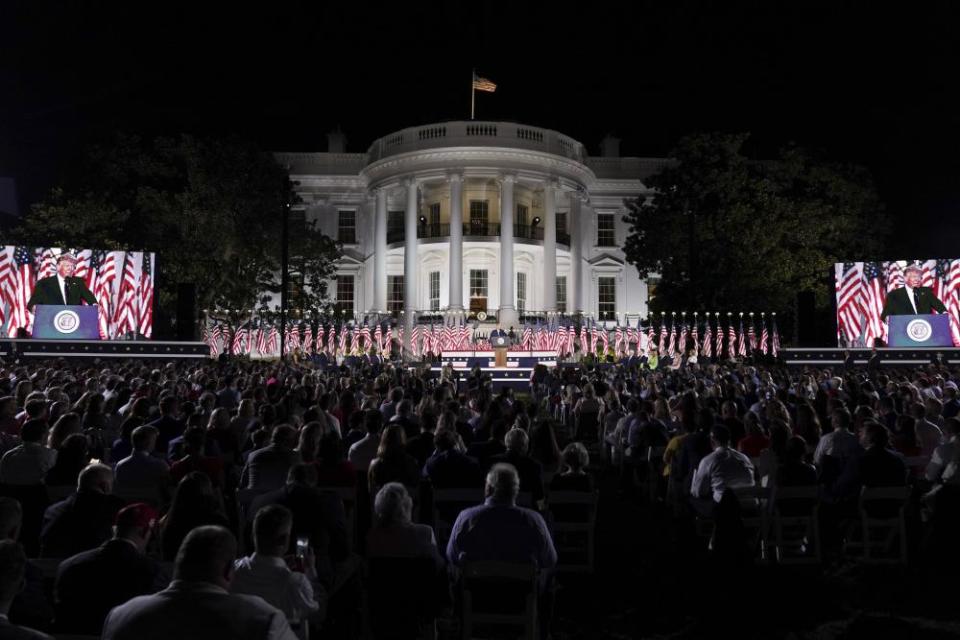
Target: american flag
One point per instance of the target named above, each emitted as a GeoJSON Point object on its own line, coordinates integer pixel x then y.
{"type": "Point", "coordinates": [605, 338]}
{"type": "Point", "coordinates": [332, 341]}
{"type": "Point", "coordinates": [584, 342]}
{"type": "Point", "coordinates": [650, 333]}
{"type": "Point", "coordinates": [320, 344]}
{"type": "Point", "coordinates": [239, 341]}
{"type": "Point", "coordinates": [731, 341]}
{"type": "Point", "coordinates": [388, 340]}
{"type": "Point", "coordinates": [343, 340]}
{"type": "Point", "coordinates": [707, 340]}
{"type": "Point", "coordinates": [23, 281]}
{"type": "Point", "coordinates": [146, 298]}
{"type": "Point", "coordinates": [378, 338]}
{"type": "Point", "coordinates": [951, 299]}
{"type": "Point", "coordinates": [308, 340]}
{"type": "Point", "coordinates": [696, 337]}
{"type": "Point", "coordinates": [929, 273]}
{"type": "Point", "coordinates": [718, 350]}
{"type": "Point", "coordinates": [662, 347]}
{"type": "Point", "coordinates": [775, 343]}
{"type": "Point", "coordinates": [261, 341]}
{"type": "Point", "coordinates": [83, 266]}
{"type": "Point", "coordinates": [682, 341]}
{"type": "Point", "coordinates": [482, 84]}
{"type": "Point", "coordinates": [48, 263]}
{"type": "Point", "coordinates": [618, 340]}
{"type": "Point", "coordinates": [293, 338]}
{"type": "Point", "coordinates": [125, 318]}
{"type": "Point", "coordinates": [215, 335]}
{"type": "Point", "coordinates": [7, 282]}
{"type": "Point", "coordinates": [752, 336]}
{"type": "Point", "coordinates": [894, 276]}
{"type": "Point", "coordinates": [355, 340]}
{"type": "Point", "coordinates": [764, 336]}
{"type": "Point", "coordinates": [874, 296]}
{"type": "Point", "coordinates": [526, 337]}
{"type": "Point", "coordinates": [850, 302]}
{"type": "Point", "coordinates": [742, 349]}
{"type": "Point", "coordinates": [941, 287]}
{"type": "Point", "coordinates": [273, 340]}
{"type": "Point", "coordinates": [365, 338]}
{"type": "Point", "coordinates": [672, 343]}
{"type": "Point", "coordinates": [415, 341]}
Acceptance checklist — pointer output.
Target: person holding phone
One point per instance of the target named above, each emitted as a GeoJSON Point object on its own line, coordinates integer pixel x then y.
{"type": "Point", "coordinates": [289, 584]}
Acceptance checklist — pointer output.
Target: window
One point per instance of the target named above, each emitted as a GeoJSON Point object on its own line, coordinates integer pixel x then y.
{"type": "Point", "coordinates": [562, 294]}
{"type": "Point", "coordinates": [478, 283]}
{"type": "Point", "coordinates": [347, 227]}
{"type": "Point", "coordinates": [522, 211]}
{"type": "Point", "coordinates": [521, 292]}
{"type": "Point", "coordinates": [394, 226]}
{"type": "Point", "coordinates": [434, 218]}
{"type": "Point", "coordinates": [394, 294]}
{"type": "Point", "coordinates": [435, 291]}
{"type": "Point", "coordinates": [606, 235]}
{"type": "Point", "coordinates": [607, 297]}
{"type": "Point", "coordinates": [345, 294]}
{"type": "Point", "coordinates": [479, 217]}
{"type": "Point", "coordinates": [561, 221]}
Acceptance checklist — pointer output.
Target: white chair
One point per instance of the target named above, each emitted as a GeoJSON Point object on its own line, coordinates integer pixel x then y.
{"type": "Point", "coordinates": [883, 522]}
{"type": "Point", "coordinates": [754, 506]}
{"type": "Point", "coordinates": [494, 576]}
{"type": "Point", "coordinates": [576, 538]}
{"type": "Point", "coordinates": [796, 525]}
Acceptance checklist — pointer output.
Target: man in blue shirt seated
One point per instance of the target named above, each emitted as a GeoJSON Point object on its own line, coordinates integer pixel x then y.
{"type": "Point", "coordinates": [500, 531]}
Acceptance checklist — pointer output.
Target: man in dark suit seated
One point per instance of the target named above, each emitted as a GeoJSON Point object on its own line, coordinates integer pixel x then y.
{"type": "Point", "coordinates": [167, 425]}
{"type": "Point", "coordinates": [92, 582]}
{"type": "Point", "coordinates": [82, 521]}
{"type": "Point", "coordinates": [267, 467]}
{"type": "Point", "coordinates": [911, 299]}
{"type": "Point", "coordinates": [531, 478]}
{"type": "Point", "coordinates": [62, 288]}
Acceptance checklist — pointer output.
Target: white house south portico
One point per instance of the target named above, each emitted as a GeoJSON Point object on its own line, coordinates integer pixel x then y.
{"type": "Point", "coordinates": [481, 218]}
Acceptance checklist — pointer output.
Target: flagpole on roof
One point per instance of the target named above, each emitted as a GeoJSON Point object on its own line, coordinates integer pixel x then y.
{"type": "Point", "coordinates": [473, 77]}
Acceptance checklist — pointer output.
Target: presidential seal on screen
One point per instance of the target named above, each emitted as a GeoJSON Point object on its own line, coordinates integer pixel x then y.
{"type": "Point", "coordinates": [919, 330]}
{"type": "Point", "coordinates": [66, 321]}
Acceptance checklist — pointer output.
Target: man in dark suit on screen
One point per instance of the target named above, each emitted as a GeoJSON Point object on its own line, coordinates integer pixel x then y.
{"type": "Point", "coordinates": [62, 288]}
{"type": "Point", "coordinates": [911, 299]}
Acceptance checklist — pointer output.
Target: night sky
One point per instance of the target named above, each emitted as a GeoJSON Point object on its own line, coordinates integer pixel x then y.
{"type": "Point", "coordinates": [873, 86]}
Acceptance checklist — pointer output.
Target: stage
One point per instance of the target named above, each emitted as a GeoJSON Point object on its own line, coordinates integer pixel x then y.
{"type": "Point", "coordinates": [901, 357]}
{"type": "Point", "coordinates": [137, 349]}
{"type": "Point", "coordinates": [516, 374]}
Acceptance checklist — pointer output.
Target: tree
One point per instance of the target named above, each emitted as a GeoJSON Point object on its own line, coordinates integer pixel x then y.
{"type": "Point", "coordinates": [725, 232]}
{"type": "Point", "coordinates": [211, 209]}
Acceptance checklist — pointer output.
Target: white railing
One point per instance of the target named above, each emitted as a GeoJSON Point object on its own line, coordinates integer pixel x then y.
{"type": "Point", "coordinates": [476, 134]}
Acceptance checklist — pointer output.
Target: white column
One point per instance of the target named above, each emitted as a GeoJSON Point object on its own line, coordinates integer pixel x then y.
{"type": "Point", "coordinates": [549, 247]}
{"type": "Point", "coordinates": [380, 252]}
{"type": "Point", "coordinates": [456, 241]}
{"type": "Point", "coordinates": [507, 314]}
{"type": "Point", "coordinates": [410, 272]}
{"type": "Point", "coordinates": [576, 253]}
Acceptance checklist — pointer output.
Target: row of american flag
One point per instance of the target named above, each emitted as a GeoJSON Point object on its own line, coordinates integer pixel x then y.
{"type": "Point", "coordinates": [121, 281]}
{"type": "Point", "coordinates": [668, 338]}
{"type": "Point", "coordinates": [862, 289]}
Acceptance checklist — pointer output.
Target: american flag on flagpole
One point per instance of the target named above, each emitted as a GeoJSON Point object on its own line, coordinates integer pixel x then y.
{"type": "Point", "coordinates": [308, 340]}
{"type": "Point", "coordinates": [23, 278]}
{"type": "Point", "coordinates": [48, 263]}
{"type": "Point", "coordinates": [894, 275]}
{"type": "Point", "coordinates": [742, 349]}
{"type": "Point", "coordinates": [775, 342]}
{"type": "Point", "coordinates": [707, 340]}
{"type": "Point", "coordinates": [764, 336]}
{"type": "Point", "coordinates": [7, 282]}
{"type": "Point", "coordinates": [718, 350]}
{"type": "Point", "coordinates": [273, 340]}
{"type": "Point", "coordinates": [145, 303]}
{"type": "Point", "coordinates": [662, 347]}
{"type": "Point", "coordinates": [125, 317]}
{"type": "Point", "coordinates": [103, 273]}
{"type": "Point", "coordinates": [320, 343]}
{"type": "Point", "coordinates": [951, 299]}
{"type": "Point", "coordinates": [482, 84]}
{"type": "Point", "coordinates": [850, 301]}
{"type": "Point", "coordinates": [672, 342]}
{"type": "Point", "coordinates": [874, 296]}
{"type": "Point", "coordinates": [731, 341]}
{"type": "Point", "coordinates": [261, 341]}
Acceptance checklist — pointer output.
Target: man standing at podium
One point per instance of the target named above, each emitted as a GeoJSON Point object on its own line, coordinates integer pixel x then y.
{"type": "Point", "coordinates": [911, 299]}
{"type": "Point", "coordinates": [62, 288]}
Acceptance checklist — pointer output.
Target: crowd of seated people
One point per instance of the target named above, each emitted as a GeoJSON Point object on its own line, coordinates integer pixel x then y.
{"type": "Point", "coordinates": [248, 496]}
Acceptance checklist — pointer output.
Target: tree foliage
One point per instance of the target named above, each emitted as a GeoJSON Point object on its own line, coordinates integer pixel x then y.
{"type": "Point", "coordinates": [211, 209]}
{"type": "Point", "coordinates": [724, 231]}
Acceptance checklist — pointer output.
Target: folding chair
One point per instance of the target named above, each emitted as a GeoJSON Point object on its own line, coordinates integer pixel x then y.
{"type": "Point", "coordinates": [487, 586]}
{"type": "Point", "coordinates": [754, 505]}
{"type": "Point", "coordinates": [796, 524]}
{"type": "Point", "coordinates": [883, 520]}
{"type": "Point", "coordinates": [574, 536]}
{"type": "Point", "coordinates": [409, 612]}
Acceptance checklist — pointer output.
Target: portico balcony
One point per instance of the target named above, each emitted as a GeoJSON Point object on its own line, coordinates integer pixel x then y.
{"type": "Point", "coordinates": [477, 231]}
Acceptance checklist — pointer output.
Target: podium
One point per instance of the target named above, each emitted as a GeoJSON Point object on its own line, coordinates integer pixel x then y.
{"type": "Point", "coordinates": [500, 346]}
{"type": "Point", "coordinates": [65, 322]}
{"type": "Point", "coordinates": [927, 330]}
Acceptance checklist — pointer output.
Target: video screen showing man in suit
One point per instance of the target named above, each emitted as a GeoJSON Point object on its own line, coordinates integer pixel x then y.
{"type": "Point", "coordinates": [912, 299]}
{"type": "Point", "coordinates": [63, 287]}
{"type": "Point", "coordinates": [870, 293]}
